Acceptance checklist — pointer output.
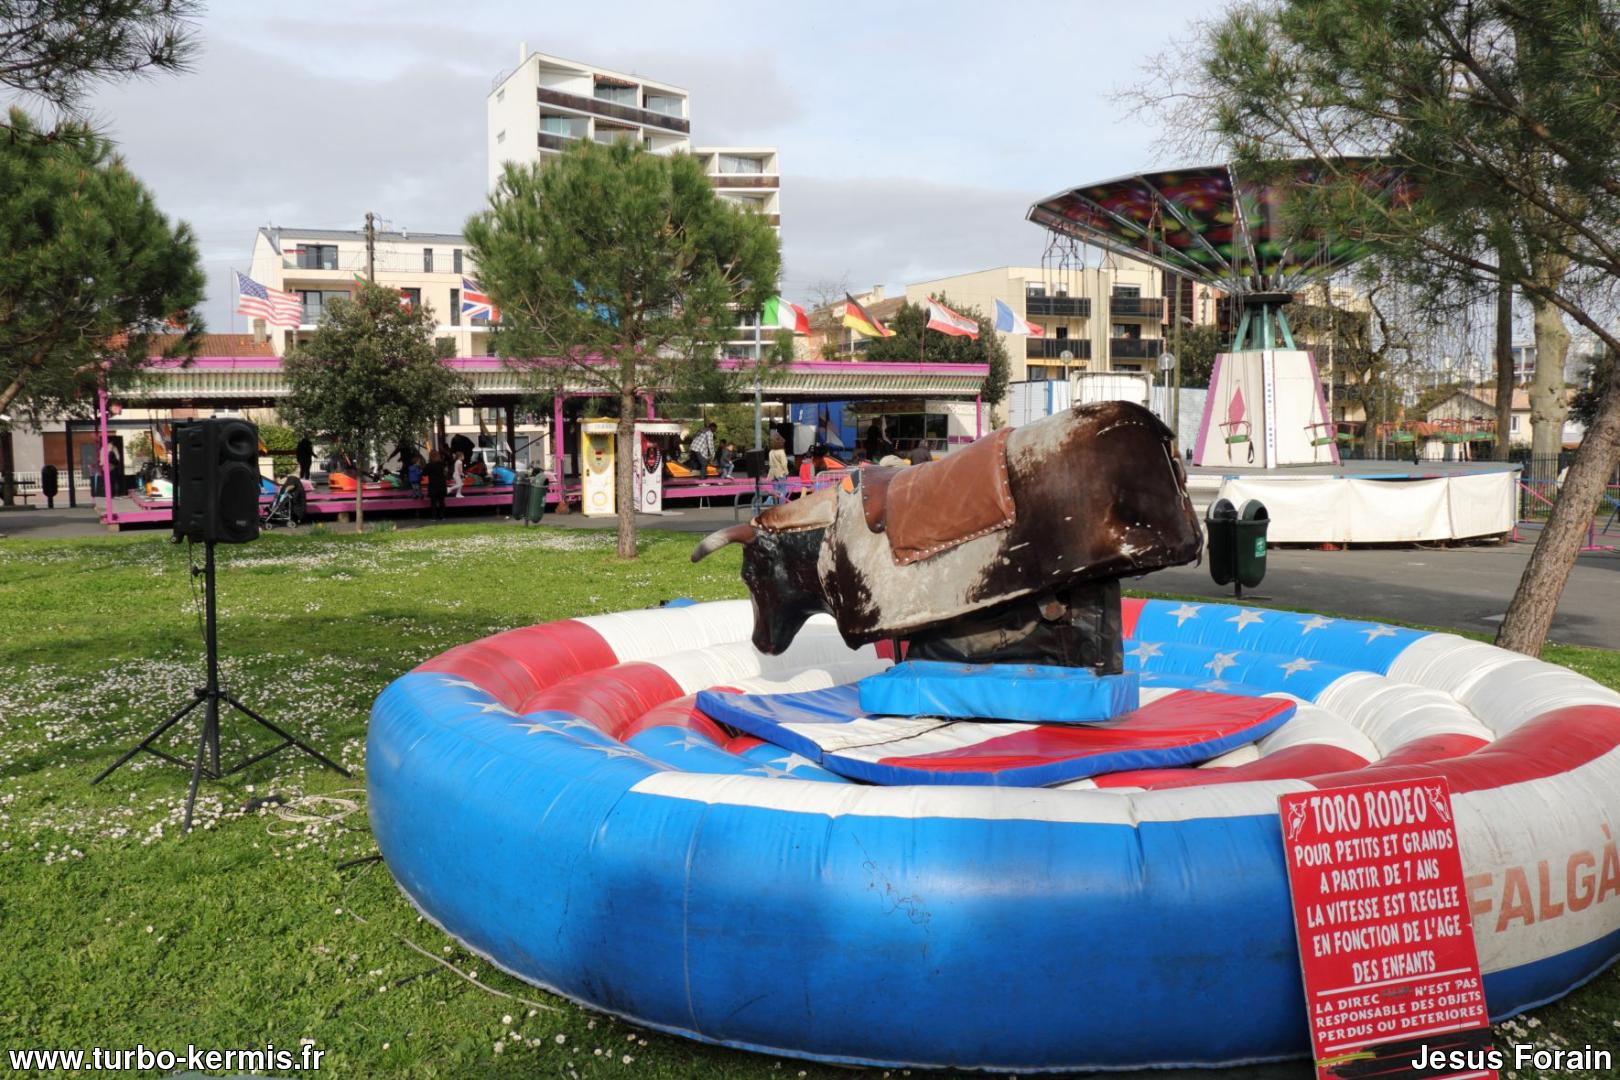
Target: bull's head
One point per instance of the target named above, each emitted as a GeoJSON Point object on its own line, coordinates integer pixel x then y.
{"type": "Point", "coordinates": [780, 550]}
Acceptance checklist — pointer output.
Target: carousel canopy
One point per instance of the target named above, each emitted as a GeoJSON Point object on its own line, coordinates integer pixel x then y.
{"type": "Point", "coordinates": [1211, 224]}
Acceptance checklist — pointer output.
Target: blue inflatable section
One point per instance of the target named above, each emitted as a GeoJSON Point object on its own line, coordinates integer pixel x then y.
{"type": "Point", "coordinates": [1037, 693]}
{"type": "Point", "coordinates": [692, 890]}
{"type": "Point", "coordinates": [629, 901]}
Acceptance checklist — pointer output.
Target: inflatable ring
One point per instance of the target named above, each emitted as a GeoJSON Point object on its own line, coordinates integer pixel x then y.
{"type": "Point", "coordinates": [553, 799]}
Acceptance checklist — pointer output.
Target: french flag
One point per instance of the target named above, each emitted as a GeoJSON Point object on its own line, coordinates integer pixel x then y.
{"type": "Point", "coordinates": [1008, 323]}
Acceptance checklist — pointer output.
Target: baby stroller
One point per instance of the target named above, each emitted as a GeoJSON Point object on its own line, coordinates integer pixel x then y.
{"type": "Point", "coordinates": [289, 507]}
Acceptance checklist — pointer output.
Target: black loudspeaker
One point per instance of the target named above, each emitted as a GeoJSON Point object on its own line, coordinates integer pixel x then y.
{"type": "Point", "coordinates": [756, 463]}
{"type": "Point", "coordinates": [216, 484]}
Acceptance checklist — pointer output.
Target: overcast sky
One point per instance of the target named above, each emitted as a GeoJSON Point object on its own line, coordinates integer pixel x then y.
{"type": "Point", "coordinates": [912, 137]}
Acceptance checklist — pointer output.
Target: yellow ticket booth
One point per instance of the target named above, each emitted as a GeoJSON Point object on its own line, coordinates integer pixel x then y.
{"type": "Point", "coordinates": [596, 453]}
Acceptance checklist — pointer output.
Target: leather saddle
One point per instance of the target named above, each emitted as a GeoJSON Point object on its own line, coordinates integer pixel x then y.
{"type": "Point", "coordinates": [930, 508]}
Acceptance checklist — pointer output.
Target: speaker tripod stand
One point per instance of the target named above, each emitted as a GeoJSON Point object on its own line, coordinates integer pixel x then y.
{"type": "Point", "coordinates": [212, 699]}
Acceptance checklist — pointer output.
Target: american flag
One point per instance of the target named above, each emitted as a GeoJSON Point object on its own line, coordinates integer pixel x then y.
{"type": "Point", "coordinates": [272, 305]}
{"type": "Point", "coordinates": [475, 302]}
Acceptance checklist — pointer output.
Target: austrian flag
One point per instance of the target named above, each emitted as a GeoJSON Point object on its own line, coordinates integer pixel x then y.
{"type": "Point", "coordinates": [946, 321]}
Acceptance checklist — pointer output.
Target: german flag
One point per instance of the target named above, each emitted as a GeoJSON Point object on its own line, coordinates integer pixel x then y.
{"type": "Point", "coordinates": [860, 320]}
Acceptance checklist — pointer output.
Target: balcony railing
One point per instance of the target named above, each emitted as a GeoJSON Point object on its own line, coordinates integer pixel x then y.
{"type": "Point", "coordinates": [1074, 307]}
{"type": "Point", "coordinates": [644, 117]}
{"type": "Point", "coordinates": [1136, 307]}
{"type": "Point", "coordinates": [745, 180]}
{"type": "Point", "coordinates": [1135, 348]}
{"type": "Point", "coordinates": [1053, 348]}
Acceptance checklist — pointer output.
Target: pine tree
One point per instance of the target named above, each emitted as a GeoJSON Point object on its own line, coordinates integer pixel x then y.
{"type": "Point", "coordinates": [371, 373]}
{"type": "Point", "coordinates": [620, 272]}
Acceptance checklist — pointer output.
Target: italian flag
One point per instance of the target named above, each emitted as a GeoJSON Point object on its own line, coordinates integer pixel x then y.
{"type": "Point", "coordinates": [781, 315]}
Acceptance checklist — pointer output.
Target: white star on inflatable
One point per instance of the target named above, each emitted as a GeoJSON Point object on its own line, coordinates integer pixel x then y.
{"type": "Point", "coordinates": [1295, 666]}
{"type": "Point", "coordinates": [1244, 618]}
{"type": "Point", "coordinates": [612, 751]}
{"type": "Point", "coordinates": [1222, 661]}
{"type": "Point", "coordinates": [791, 762]}
{"type": "Point", "coordinates": [1315, 622]}
{"type": "Point", "coordinates": [1147, 650]}
{"type": "Point", "coordinates": [532, 727]}
{"type": "Point", "coordinates": [773, 772]}
{"type": "Point", "coordinates": [494, 707]}
{"type": "Point", "coordinates": [1377, 632]}
{"type": "Point", "coordinates": [1185, 612]}
{"type": "Point", "coordinates": [691, 741]}
{"type": "Point", "coordinates": [464, 684]}
{"type": "Point", "coordinates": [573, 722]}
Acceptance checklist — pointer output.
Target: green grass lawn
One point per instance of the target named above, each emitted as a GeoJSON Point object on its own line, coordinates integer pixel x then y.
{"type": "Point", "coordinates": [120, 932]}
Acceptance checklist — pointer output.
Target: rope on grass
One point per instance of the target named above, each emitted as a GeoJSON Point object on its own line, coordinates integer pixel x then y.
{"type": "Point", "coordinates": [441, 961]}
{"type": "Point", "coordinates": [305, 809]}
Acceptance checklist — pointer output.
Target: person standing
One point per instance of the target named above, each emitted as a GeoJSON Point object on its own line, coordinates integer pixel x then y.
{"type": "Point", "coordinates": [703, 450]}
{"type": "Point", "coordinates": [436, 486]}
{"type": "Point", "coordinates": [458, 475]}
{"type": "Point", "coordinates": [776, 470]}
{"type": "Point", "coordinates": [305, 454]}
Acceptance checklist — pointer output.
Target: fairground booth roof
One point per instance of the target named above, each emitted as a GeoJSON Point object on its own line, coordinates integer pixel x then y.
{"type": "Point", "coordinates": [1213, 225]}
{"type": "Point", "coordinates": [242, 381]}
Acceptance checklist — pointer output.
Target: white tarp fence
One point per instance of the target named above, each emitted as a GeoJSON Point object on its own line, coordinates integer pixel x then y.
{"type": "Point", "coordinates": [1344, 510]}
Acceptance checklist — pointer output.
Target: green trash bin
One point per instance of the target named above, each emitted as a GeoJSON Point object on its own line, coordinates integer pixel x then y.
{"type": "Point", "coordinates": [1221, 525]}
{"type": "Point", "coordinates": [538, 484]}
{"type": "Point", "coordinates": [520, 497]}
{"type": "Point", "coordinates": [1249, 544]}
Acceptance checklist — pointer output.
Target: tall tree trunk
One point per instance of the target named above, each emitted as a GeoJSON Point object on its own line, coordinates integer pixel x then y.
{"type": "Point", "coordinates": [624, 495]}
{"type": "Point", "coordinates": [1549, 399]}
{"type": "Point", "coordinates": [359, 498]}
{"type": "Point", "coordinates": [1530, 615]}
{"type": "Point", "coordinates": [1504, 368]}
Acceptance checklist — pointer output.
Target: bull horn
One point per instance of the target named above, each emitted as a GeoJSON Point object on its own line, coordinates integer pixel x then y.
{"type": "Point", "coordinates": [736, 534]}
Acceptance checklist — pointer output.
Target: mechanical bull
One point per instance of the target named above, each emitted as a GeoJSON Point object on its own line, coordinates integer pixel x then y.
{"type": "Point", "coordinates": [1007, 551]}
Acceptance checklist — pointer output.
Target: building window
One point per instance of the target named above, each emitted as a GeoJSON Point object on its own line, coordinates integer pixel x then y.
{"type": "Point", "coordinates": [616, 95]}
{"type": "Point", "coordinates": [1132, 292]}
{"type": "Point", "coordinates": [609, 133]}
{"type": "Point", "coordinates": [317, 257]}
{"type": "Point", "coordinates": [410, 298]}
{"type": "Point", "coordinates": [455, 260]}
{"type": "Point", "coordinates": [736, 164]}
{"type": "Point", "coordinates": [666, 104]}
{"type": "Point", "coordinates": [315, 301]}
{"type": "Point", "coordinates": [1513, 425]}
{"type": "Point", "coordinates": [455, 302]}
{"type": "Point", "coordinates": [1035, 290]}
{"type": "Point", "coordinates": [566, 126]}
{"type": "Point", "coordinates": [427, 260]}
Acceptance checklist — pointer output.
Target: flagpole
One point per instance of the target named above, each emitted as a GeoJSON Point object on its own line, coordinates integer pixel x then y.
{"type": "Point", "coordinates": [758, 357]}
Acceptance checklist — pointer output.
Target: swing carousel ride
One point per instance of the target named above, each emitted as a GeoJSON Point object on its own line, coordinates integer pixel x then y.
{"type": "Point", "coordinates": [1265, 409]}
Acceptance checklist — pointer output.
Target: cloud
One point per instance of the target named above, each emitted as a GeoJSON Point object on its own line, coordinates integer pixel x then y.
{"type": "Point", "coordinates": [250, 138]}
{"type": "Point", "coordinates": [896, 231]}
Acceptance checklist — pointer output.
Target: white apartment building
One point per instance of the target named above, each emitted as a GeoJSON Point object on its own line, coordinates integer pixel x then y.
{"type": "Point", "coordinates": [1095, 318]}
{"type": "Point", "coordinates": [536, 108]}
{"type": "Point", "coordinates": [320, 265]}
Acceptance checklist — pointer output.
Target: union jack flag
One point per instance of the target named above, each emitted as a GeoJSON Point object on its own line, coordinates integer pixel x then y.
{"type": "Point", "coordinates": [476, 302]}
